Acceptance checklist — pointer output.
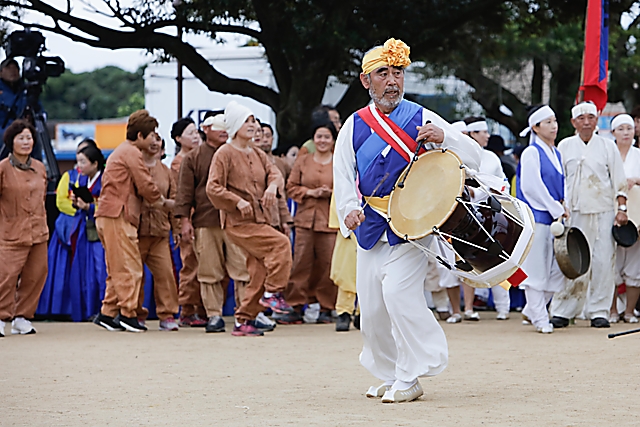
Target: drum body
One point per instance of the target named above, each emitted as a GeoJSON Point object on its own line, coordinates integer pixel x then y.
{"type": "Point", "coordinates": [484, 234]}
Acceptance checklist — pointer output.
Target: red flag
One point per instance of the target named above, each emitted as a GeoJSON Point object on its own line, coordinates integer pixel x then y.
{"type": "Point", "coordinates": [595, 62]}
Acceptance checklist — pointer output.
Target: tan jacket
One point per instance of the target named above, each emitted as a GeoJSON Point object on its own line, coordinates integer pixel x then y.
{"type": "Point", "coordinates": [312, 213]}
{"type": "Point", "coordinates": [155, 222]}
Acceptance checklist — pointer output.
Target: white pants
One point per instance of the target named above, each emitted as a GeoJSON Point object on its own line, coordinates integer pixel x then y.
{"type": "Point", "coordinates": [593, 291]}
{"type": "Point", "coordinates": [402, 338]}
{"type": "Point", "coordinates": [536, 308]}
{"type": "Point", "coordinates": [628, 265]}
{"type": "Point", "coordinates": [540, 266]}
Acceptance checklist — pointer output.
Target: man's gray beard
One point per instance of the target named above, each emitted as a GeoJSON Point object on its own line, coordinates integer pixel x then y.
{"type": "Point", "coordinates": [391, 105]}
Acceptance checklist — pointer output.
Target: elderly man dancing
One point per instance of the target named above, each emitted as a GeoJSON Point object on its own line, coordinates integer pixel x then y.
{"type": "Point", "coordinates": [402, 339]}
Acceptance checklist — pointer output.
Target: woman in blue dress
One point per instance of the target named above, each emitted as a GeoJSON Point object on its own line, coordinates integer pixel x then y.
{"type": "Point", "coordinates": [56, 297]}
{"type": "Point", "coordinates": [88, 269]}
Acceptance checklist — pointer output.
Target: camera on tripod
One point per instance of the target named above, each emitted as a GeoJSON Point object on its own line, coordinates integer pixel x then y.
{"type": "Point", "coordinates": [36, 68]}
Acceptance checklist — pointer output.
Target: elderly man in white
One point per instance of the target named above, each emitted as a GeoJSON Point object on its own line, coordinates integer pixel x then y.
{"type": "Point", "coordinates": [596, 196]}
{"type": "Point", "coordinates": [402, 339]}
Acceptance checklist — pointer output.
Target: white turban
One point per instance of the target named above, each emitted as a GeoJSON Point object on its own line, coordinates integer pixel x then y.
{"type": "Point", "coordinates": [584, 108]}
{"type": "Point", "coordinates": [478, 126]}
{"type": "Point", "coordinates": [234, 116]}
{"type": "Point", "coordinates": [622, 119]}
{"type": "Point", "coordinates": [216, 122]}
{"type": "Point", "coordinates": [460, 126]}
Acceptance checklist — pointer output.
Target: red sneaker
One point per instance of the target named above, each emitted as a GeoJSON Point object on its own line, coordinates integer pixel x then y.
{"type": "Point", "coordinates": [276, 303]}
{"type": "Point", "coordinates": [246, 330]}
{"type": "Point", "coordinates": [194, 321]}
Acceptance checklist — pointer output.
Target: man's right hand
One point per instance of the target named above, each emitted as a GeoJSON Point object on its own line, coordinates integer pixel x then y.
{"type": "Point", "coordinates": [245, 208]}
{"type": "Point", "coordinates": [354, 219]}
{"type": "Point", "coordinates": [186, 233]}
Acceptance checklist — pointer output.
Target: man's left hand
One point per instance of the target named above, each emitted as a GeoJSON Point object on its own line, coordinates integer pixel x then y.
{"type": "Point", "coordinates": [431, 133]}
{"type": "Point", "coordinates": [621, 218]}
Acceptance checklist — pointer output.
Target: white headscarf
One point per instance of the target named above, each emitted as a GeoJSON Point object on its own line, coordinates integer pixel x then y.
{"type": "Point", "coordinates": [538, 116]}
{"type": "Point", "coordinates": [216, 122]}
{"type": "Point", "coordinates": [234, 117]}
{"type": "Point", "coordinates": [622, 119]}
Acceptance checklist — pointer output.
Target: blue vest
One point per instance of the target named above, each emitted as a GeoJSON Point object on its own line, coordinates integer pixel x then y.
{"type": "Point", "coordinates": [551, 178]}
{"type": "Point", "coordinates": [372, 166]}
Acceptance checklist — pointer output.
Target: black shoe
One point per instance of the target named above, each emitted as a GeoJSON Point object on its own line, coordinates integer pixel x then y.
{"type": "Point", "coordinates": [293, 318]}
{"type": "Point", "coordinates": [131, 324]}
{"type": "Point", "coordinates": [215, 324]}
{"type": "Point", "coordinates": [324, 317]}
{"type": "Point", "coordinates": [559, 322]}
{"type": "Point", "coordinates": [356, 321]}
{"type": "Point", "coordinates": [600, 322]}
{"type": "Point", "coordinates": [343, 322]}
{"type": "Point", "coordinates": [264, 327]}
{"type": "Point", "coordinates": [108, 323]}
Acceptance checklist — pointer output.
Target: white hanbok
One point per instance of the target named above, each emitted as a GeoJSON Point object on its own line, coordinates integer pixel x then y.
{"type": "Point", "coordinates": [402, 340]}
{"type": "Point", "coordinates": [594, 178]}
{"type": "Point", "coordinates": [628, 259]}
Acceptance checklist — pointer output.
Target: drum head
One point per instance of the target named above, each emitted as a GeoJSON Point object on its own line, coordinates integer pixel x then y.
{"type": "Point", "coordinates": [429, 195]}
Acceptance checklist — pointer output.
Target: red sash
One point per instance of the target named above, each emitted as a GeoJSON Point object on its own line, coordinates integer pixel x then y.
{"type": "Point", "coordinates": [398, 139]}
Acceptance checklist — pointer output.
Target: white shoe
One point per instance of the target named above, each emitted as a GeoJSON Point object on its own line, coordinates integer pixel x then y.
{"type": "Point", "coordinates": [398, 396]}
{"type": "Point", "coordinates": [22, 326]}
{"type": "Point", "coordinates": [1, 328]}
{"type": "Point", "coordinates": [311, 313]}
{"type": "Point", "coordinates": [454, 318]}
{"type": "Point", "coordinates": [502, 315]}
{"type": "Point", "coordinates": [377, 392]}
{"type": "Point", "coordinates": [546, 329]}
{"type": "Point", "coordinates": [264, 319]}
{"type": "Point", "coordinates": [471, 315]}
{"type": "Point", "coordinates": [614, 318]}
{"type": "Point", "coordinates": [630, 319]}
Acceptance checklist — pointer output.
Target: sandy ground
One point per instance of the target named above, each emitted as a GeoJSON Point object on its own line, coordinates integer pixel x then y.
{"type": "Point", "coordinates": [499, 374]}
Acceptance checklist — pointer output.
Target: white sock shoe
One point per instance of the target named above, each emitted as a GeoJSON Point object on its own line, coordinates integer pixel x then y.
{"type": "Point", "coordinates": [22, 326]}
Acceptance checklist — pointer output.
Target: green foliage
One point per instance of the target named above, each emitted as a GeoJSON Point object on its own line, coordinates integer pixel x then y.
{"type": "Point", "coordinates": [108, 92]}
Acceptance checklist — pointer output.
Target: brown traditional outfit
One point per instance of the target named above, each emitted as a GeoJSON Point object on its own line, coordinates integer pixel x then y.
{"type": "Point", "coordinates": [23, 237]}
{"type": "Point", "coordinates": [217, 254]}
{"type": "Point", "coordinates": [155, 249]}
{"type": "Point", "coordinates": [189, 287]}
{"type": "Point", "coordinates": [245, 175]}
{"type": "Point", "coordinates": [314, 242]}
{"type": "Point", "coordinates": [125, 182]}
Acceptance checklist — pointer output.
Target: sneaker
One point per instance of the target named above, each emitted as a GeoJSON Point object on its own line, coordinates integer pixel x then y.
{"type": "Point", "coordinates": [215, 324]}
{"type": "Point", "coordinates": [546, 329]}
{"type": "Point", "coordinates": [454, 318]}
{"type": "Point", "coordinates": [2, 329]}
{"type": "Point", "coordinates": [600, 322]}
{"type": "Point", "coordinates": [246, 330]}
{"type": "Point", "coordinates": [169, 324]}
{"type": "Point", "coordinates": [22, 326]}
{"type": "Point", "coordinates": [630, 318]}
{"type": "Point", "coordinates": [559, 322]}
{"type": "Point", "coordinates": [502, 315]}
{"type": "Point", "coordinates": [399, 396]}
{"type": "Point", "coordinates": [142, 322]}
{"type": "Point", "coordinates": [324, 317]}
{"type": "Point", "coordinates": [356, 321]}
{"type": "Point", "coordinates": [276, 303]}
{"type": "Point", "coordinates": [343, 322]}
{"type": "Point", "coordinates": [293, 318]}
{"type": "Point", "coordinates": [193, 321]}
{"type": "Point", "coordinates": [312, 313]}
{"type": "Point", "coordinates": [263, 323]}
{"type": "Point", "coordinates": [108, 323]}
{"type": "Point", "coordinates": [130, 323]}
{"type": "Point", "coordinates": [471, 315]}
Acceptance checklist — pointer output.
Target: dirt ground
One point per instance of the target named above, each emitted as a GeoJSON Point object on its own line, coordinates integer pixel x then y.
{"type": "Point", "coordinates": [499, 374]}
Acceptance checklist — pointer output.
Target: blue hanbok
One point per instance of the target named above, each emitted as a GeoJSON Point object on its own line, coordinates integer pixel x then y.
{"type": "Point", "coordinates": [88, 277]}
{"type": "Point", "coordinates": [55, 299]}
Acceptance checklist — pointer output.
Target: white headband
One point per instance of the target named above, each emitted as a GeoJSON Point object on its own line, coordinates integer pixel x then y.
{"type": "Point", "coordinates": [622, 119]}
{"type": "Point", "coordinates": [478, 126]}
{"type": "Point", "coordinates": [583, 108]}
{"type": "Point", "coordinates": [537, 117]}
{"type": "Point", "coordinates": [460, 126]}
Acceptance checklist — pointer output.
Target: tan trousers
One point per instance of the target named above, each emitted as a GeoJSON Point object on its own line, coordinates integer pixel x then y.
{"type": "Point", "coordinates": [189, 289]}
{"type": "Point", "coordinates": [310, 280]}
{"type": "Point", "coordinates": [20, 298]}
{"type": "Point", "coordinates": [124, 266]}
{"type": "Point", "coordinates": [268, 261]}
{"type": "Point", "coordinates": [346, 301]}
{"type": "Point", "coordinates": [217, 257]}
{"type": "Point", "coordinates": [343, 273]}
{"type": "Point", "coordinates": [156, 254]}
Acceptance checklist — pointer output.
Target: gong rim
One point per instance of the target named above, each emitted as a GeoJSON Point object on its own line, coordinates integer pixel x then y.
{"type": "Point", "coordinates": [408, 228]}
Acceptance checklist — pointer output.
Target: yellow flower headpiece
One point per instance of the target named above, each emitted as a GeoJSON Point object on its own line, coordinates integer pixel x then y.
{"type": "Point", "coordinates": [394, 53]}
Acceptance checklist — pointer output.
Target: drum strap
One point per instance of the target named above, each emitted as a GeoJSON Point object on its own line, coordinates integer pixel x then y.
{"type": "Point", "coordinates": [390, 132]}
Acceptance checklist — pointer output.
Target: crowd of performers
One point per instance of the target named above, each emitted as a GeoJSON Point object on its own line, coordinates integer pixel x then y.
{"type": "Point", "coordinates": [229, 209]}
